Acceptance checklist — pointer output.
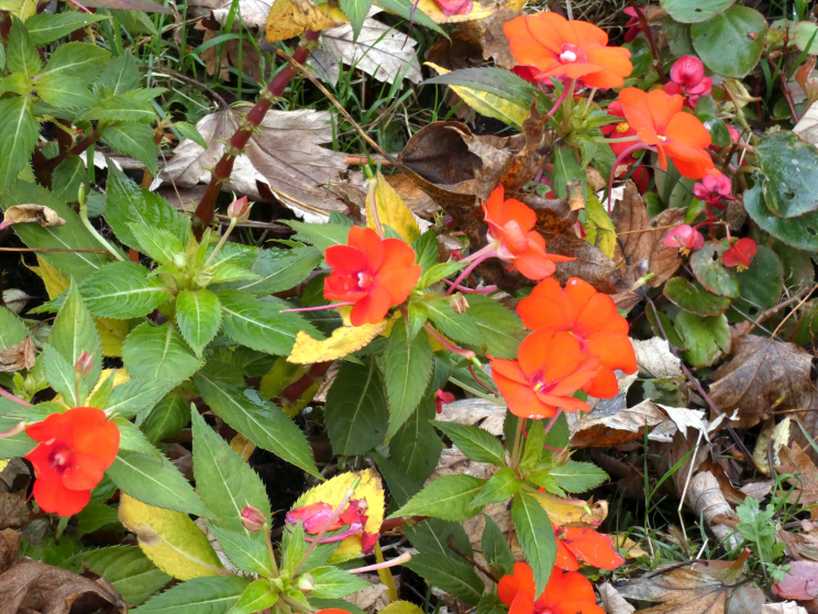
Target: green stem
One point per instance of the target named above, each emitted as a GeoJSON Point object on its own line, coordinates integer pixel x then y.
{"type": "Point", "coordinates": [90, 227]}
{"type": "Point", "coordinates": [222, 241]}
{"type": "Point", "coordinates": [516, 451]}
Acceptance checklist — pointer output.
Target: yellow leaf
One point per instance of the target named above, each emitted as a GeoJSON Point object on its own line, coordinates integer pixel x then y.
{"type": "Point", "coordinates": [487, 104]}
{"type": "Point", "coordinates": [112, 334]}
{"type": "Point", "coordinates": [367, 485]}
{"type": "Point", "coordinates": [170, 539]}
{"type": "Point", "coordinates": [55, 282]}
{"type": "Point", "coordinates": [344, 340]}
{"type": "Point", "coordinates": [289, 18]}
{"type": "Point", "coordinates": [564, 511]}
{"type": "Point", "coordinates": [385, 206]}
{"type": "Point", "coordinates": [22, 9]}
{"type": "Point", "coordinates": [599, 228]}
{"type": "Point", "coordinates": [478, 11]}
{"type": "Point", "coordinates": [242, 446]}
{"type": "Point", "coordinates": [401, 607]}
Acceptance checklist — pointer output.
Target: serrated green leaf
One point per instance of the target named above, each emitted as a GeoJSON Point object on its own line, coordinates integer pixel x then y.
{"type": "Point", "coordinates": [137, 397]}
{"type": "Point", "coordinates": [135, 140]}
{"type": "Point", "coordinates": [155, 353]}
{"type": "Point", "coordinates": [448, 497]}
{"type": "Point", "coordinates": [498, 488]}
{"type": "Point", "coordinates": [66, 78]}
{"type": "Point", "coordinates": [355, 412]}
{"type": "Point", "coordinates": [60, 375]}
{"type": "Point", "coordinates": [119, 75]}
{"type": "Point", "coordinates": [245, 551]}
{"type": "Point", "coordinates": [132, 106]}
{"type": "Point", "coordinates": [129, 571]}
{"type": "Point", "coordinates": [161, 245]}
{"type": "Point", "coordinates": [12, 329]}
{"type": "Point", "coordinates": [281, 269]}
{"type": "Point", "coordinates": [199, 316]}
{"type": "Point", "coordinates": [258, 596]}
{"type": "Point", "coordinates": [45, 28]}
{"type": "Point", "coordinates": [576, 476]}
{"type": "Point", "coordinates": [211, 595]}
{"type": "Point", "coordinates": [536, 537]}
{"type": "Point", "coordinates": [500, 328]}
{"type": "Point", "coordinates": [459, 327]}
{"type": "Point", "coordinates": [416, 447]}
{"type": "Point", "coordinates": [476, 443]}
{"type": "Point", "coordinates": [320, 236]}
{"type": "Point", "coordinates": [21, 53]}
{"type": "Point", "coordinates": [407, 365]}
{"type": "Point", "coordinates": [455, 576]}
{"type": "Point", "coordinates": [331, 582]}
{"type": "Point", "coordinates": [123, 290]}
{"type": "Point", "coordinates": [494, 544]}
{"type": "Point", "coordinates": [20, 131]}
{"type": "Point", "coordinates": [170, 415]}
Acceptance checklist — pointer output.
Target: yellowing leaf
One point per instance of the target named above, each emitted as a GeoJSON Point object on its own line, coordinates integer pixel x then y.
{"type": "Point", "coordinates": [367, 486]}
{"type": "Point", "coordinates": [170, 539]}
{"type": "Point", "coordinates": [485, 103]}
{"type": "Point", "coordinates": [385, 207]}
{"type": "Point", "coordinates": [22, 9]}
{"type": "Point", "coordinates": [478, 11]}
{"type": "Point", "coordinates": [401, 607]}
{"type": "Point", "coordinates": [55, 282]}
{"type": "Point", "coordinates": [112, 334]}
{"type": "Point", "coordinates": [344, 340]}
{"type": "Point", "coordinates": [564, 511]}
{"type": "Point", "coordinates": [599, 228]}
{"type": "Point", "coordinates": [289, 18]}
{"type": "Point", "coordinates": [242, 446]}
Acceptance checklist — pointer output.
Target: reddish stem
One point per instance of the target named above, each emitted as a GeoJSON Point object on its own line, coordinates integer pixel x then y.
{"type": "Point", "coordinates": [224, 167]}
{"type": "Point", "coordinates": [619, 160]}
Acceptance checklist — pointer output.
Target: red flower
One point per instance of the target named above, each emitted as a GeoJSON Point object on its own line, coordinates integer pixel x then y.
{"type": "Point", "coordinates": [740, 254]}
{"type": "Point", "coordinates": [660, 123]}
{"type": "Point", "coordinates": [442, 397]}
{"type": "Point", "coordinates": [567, 592]}
{"type": "Point", "coordinates": [454, 7]}
{"type": "Point", "coordinates": [556, 47]}
{"type": "Point", "coordinates": [322, 519]}
{"type": "Point", "coordinates": [549, 369]}
{"type": "Point", "coordinates": [683, 237]}
{"type": "Point", "coordinates": [75, 449]}
{"type": "Point", "coordinates": [713, 188]}
{"type": "Point", "coordinates": [687, 78]}
{"type": "Point", "coordinates": [511, 225]}
{"type": "Point", "coordinates": [621, 130]}
{"type": "Point", "coordinates": [586, 545]}
{"type": "Point", "coordinates": [371, 273]}
{"type": "Point", "coordinates": [592, 319]}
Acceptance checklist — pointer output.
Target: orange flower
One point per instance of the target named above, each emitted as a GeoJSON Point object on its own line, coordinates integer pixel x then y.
{"type": "Point", "coordinates": [593, 320]}
{"type": "Point", "coordinates": [660, 122]}
{"type": "Point", "coordinates": [511, 225]}
{"type": "Point", "coordinates": [567, 592]}
{"type": "Point", "coordinates": [370, 273]}
{"type": "Point", "coordinates": [557, 47]}
{"type": "Point", "coordinates": [586, 545]}
{"type": "Point", "coordinates": [549, 369]}
{"type": "Point", "coordinates": [76, 447]}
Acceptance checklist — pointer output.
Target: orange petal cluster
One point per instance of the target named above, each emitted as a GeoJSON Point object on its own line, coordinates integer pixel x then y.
{"type": "Point", "coordinates": [659, 121]}
{"type": "Point", "coordinates": [577, 545]}
{"type": "Point", "coordinates": [371, 273]}
{"type": "Point", "coordinates": [592, 320]}
{"type": "Point", "coordinates": [75, 448]}
{"type": "Point", "coordinates": [560, 48]}
{"type": "Point", "coordinates": [511, 224]}
{"type": "Point", "coordinates": [567, 592]}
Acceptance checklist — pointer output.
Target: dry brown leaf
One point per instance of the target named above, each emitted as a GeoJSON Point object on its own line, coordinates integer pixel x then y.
{"type": "Point", "coordinates": [800, 582]}
{"type": "Point", "coordinates": [802, 544]}
{"type": "Point", "coordinates": [589, 263]}
{"type": "Point", "coordinates": [611, 423]}
{"type": "Point", "coordinates": [655, 358]}
{"type": "Point", "coordinates": [613, 602]}
{"type": "Point", "coordinates": [804, 474]}
{"type": "Point", "coordinates": [762, 375]}
{"type": "Point", "coordinates": [785, 607]}
{"type": "Point", "coordinates": [9, 548]}
{"type": "Point", "coordinates": [475, 412]}
{"type": "Point", "coordinates": [14, 512]}
{"type": "Point", "coordinates": [240, 54]}
{"type": "Point", "coordinates": [18, 357]}
{"type": "Point", "coordinates": [284, 155]}
{"type": "Point", "coordinates": [706, 498]}
{"type": "Point", "coordinates": [31, 214]}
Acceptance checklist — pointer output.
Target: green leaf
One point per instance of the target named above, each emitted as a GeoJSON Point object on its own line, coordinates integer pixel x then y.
{"type": "Point", "coordinates": [137, 397]}
{"type": "Point", "coordinates": [259, 420]}
{"type": "Point", "coordinates": [135, 140]}
{"type": "Point", "coordinates": [45, 28]}
{"type": "Point", "coordinates": [355, 412]}
{"type": "Point", "coordinates": [407, 365]}
{"type": "Point", "coordinates": [499, 488]}
{"type": "Point", "coordinates": [321, 236]}
{"type": "Point", "coordinates": [129, 571]}
{"type": "Point", "coordinates": [409, 11]}
{"type": "Point", "coordinates": [224, 481]}
{"type": "Point", "coordinates": [356, 11]}
{"type": "Point", "coordinates": [75, 332]}
{"type": "Point", "coordinates": [500, 328]}
{"type": "Point", "coordinates": [789, 189]}
{"type": "Point", "coordinates": [731, 43]}
{"type": "Point", "coordinates": [455, 576]}
{"type": "Point", "coordinates": [331, 582]}
{"type": "Point", "coordinates": [19, 132]}
{"type": "Point", "coordinates": [67, 179]}
{"type": "Point", "coordinates": [576, 477]}
{"type": "Point", "coordinates": [245, 551]}
{"type": "Point", "coordinates": [761, 285]}
{"type": "Point", "coordinates": [448, 497]}
{"type": "Point", "coordinates": [694, 11]}
{"type": "Point", "coordinates": [474, 442]}
{"type": "Point", "coordinates": [209, 595]}
{"type": "Point", "coordinates": [257, 596]}
{"type": "Point", "coordinates": [160, 244]}
{"type": "Point", "coordinates": [119, 75]}
{"type": "Point", "coordinates": [806, 37]}
{"type": "Point", "coordinates": [12, 329]}
{"type": "Point", "coordinates": [567, 170]}
{"type": "Point", "coordinates": [155, 353]}
{"type": "Point", "coordinates": [416, 447]}
{"type": "Point", "coordinates": [281, 269]}
{"type": "Point", "coordinates": [799, 232]}
{"type": "Point", "coordinates": [170, 416]}
{"type": "Point", "coordinates": [127, 203]}
{"type": "Point", "coordinates": [536, 536]}
{"type": "Point", "coordinates": [199, 316]}
{"type": "Point", "coordinates": [459, 327]}
{"type": "Point", "coordinates": [260, 324]}
{"type": "Point", "coordinates": [59, 374]}
{"type": "Point", "coordinates": [705, 339]}
{"type": "Point", "coordinates": [67, 75]}
{"type": "Point", "coordinates": [123, 290]}
{"type": "Point", "coordinates": [187, 130]}
{"type": "Point", "coordinates": [711, 273]}
{"type": "Point", "coordinates": [439, 271]}
{"type": "Point", "coordinates": [132, 106]}
{"type": "Point", "coordinates": [693, 298]}
{"type": "Point", "coordinates": [21, 53]}
{"type": "Point", "coordinates": [495, 547]}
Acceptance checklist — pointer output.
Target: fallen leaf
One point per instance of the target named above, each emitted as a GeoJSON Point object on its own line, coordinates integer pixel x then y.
{"type": "Point", "coordinates": [284, 154]}
{"type": "Point", "coordinates": [807, 126]}
{"type": "Point", "coordinates": [475, 412]}
{"type": "Point", "coordinates": [610, 424]}
{"type": "Point", "coordinates": [9, 548]}
{"type": "Point", "coordinates": [614, 602]}
{"type": "Point", "coordinates": [655, 358]}
{"type": "Point", "coordinates": [18, 357]}
{"type": "Point", "coordinates": [803, 474]}
{"type": "Point", "coordinates": [14, 300]}
{"type": "Point", "coordinates": [772, 438]}
{"type": "Point", "coordinates": [800, 582]}
{"type": "Point", "coordinates": [801, 544]}
{"type": "Point", "coordinates": [762, 375]}
{"type": "Point", "coordinates": [589, 263]}
{"type": "Point", "coordinates": [14, 512]}
{"type": "Point", "coordinates": [385, 208]}
{"type": "Point", "coordinates": [31, 214]}
{"type": "Point", "coordinates": [343, 340]}
{"type": "Point", "coordinates": [785, 607]}
{"type": "Point", "coordinates": [380, 50]}
{"type": "Point", "coordinates": [289, 18]}
{"type": "Point", "coordinates": [706, 499]}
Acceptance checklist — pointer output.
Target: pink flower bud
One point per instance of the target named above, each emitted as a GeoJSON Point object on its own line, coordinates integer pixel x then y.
{"type": "Point", "coordinates": [713, 188]}
{"type": "Point", "coordinates": [683, 237]}
{"type": "Point", "coordinates": [687, 71]}
{"type": "Point", "coordinates": [252, 519]}
{"type": "Point", "coordinates": [84, 364]}
{"type": "Point", "coordinates": [239, 209]}
{"type": "Point", "coordinates": [740, 254]}
{"type": "Point", "coordinates": [454, 7]}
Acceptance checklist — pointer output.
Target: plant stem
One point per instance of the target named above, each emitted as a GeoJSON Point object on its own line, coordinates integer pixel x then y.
{"type": "Point", "coordinates": [83, 212]}
{"type": "Point", "coordinates": [403, 558]}
{"type": "Point", "coordinates": [517, 450]}
{"type": "Point", "coordinates": [13, 398]}
{"type": "Point", "coordinates": [222, 240]}
{"type": "Point", "coordinates": [475, 260]}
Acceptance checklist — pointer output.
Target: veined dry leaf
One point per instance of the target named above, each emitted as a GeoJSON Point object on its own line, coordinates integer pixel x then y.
{"type": "Point", "coordinates": [381, 51]}
{"type": "Point", "coordinates": [762, 375]}
{"type": "Point", "coordinates": [795, 461]}
{"type": "Point", "coordinates": [475, 412]}
{"type": "Point", "coordinates": [614, 602]}
{"type": "Point", "coordinates": [611, 424]}
{"type": "Point", "coordinates": [285, 153]}
{"type": "Point", "coordinates": [807, 126]}
{"type": "Point", "coordinates": [18, 357]}
{"type": "Point", "coordinates": [31, 214]}
{"type": "Point", "coordinates": [289, 18]}
{"type": "Point", "coordinates": [655, 358]}
{"type": "Point", "coordinates": [800, 582]}
{"type": "Point", "coordinates": [706, 499]}
{"type": "Point", "coordinates": [589, 263]}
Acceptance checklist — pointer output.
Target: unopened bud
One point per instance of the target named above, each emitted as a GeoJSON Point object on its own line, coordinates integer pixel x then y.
{"type": "Point", "coordinates": [459, 303]}
{"type": "Point", "coordinates": [239, 209]}
{"type": "Point", "coordinates": [252, 519]}
{"type": "Point", "coordinates": [305, 583]}
{"type": "Point", "coordinates": [84, 364]}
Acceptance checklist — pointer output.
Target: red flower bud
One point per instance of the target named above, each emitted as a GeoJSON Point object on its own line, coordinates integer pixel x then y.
{"type": "Point", "coordinates": [84, 364]}
{"type": "Point", "coordinates": [687, 71]}
{"type": "Point", "coordinates": [740, 254]}
{"type": "Point", "coordinates": [454, 7]}
{"type": "Point", "coordinates": [252, 519]}
{"type": "Point", "coordinates": [239, 209]}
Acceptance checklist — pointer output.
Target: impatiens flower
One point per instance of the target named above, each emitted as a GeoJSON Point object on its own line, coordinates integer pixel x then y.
{"type": "Point", "coordinates": [511, 224]}
{"type": "Point", "coordinates": [622, 130]}
{"type": "Point", "coordinates": [371, 274]}
{"type": "Point", "coordinates": [592, 319]}
{"type": "Point", "coordinates": [687, 78]}
{"type": "Point", "coordinates": [323, 520]}
{"type": "Point", "coordinates": [549, 369]}
{"type": "Point", "coordinates": [684, 238]}
{"type": "Point", "coordinates": [713, 188]}
{"type": "Point", "coordinates": [740, 254]}
{"type": "Point", "coordinates": [660, 123]}
{"type": "Point", "coordinates": [567, 592]}
{"type": "Point", "coordinates": [577, 545]}
{"type": "Point", "coordinates": [75, 448]}
{"type": "Point", "coordinates": [454, 7]}
{"type": "Point", "coordinates": [252, 519]}
{"type": "Point", "coordinates": [442, 398]}
{"type": "Point", "coordinates": [556, 47]}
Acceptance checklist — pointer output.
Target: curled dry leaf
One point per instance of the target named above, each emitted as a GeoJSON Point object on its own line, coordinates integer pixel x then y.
{"type": "Point", "coordinates": [614, 602]}
{"type": "Point", "coordinates": [31, 214]}
{"type": "Point", "coordinates": [655, 358]}
{"type": "Point", "coordinates": [706, 499]}
{"type": "Point", "coordinates": [475, 412]}
{"type": "Point", "coordinates": [284, 155]}
{"type": "Point", "coordinates": [762, 375]}
{"type": "Point", "coordinates": [803, 474]}
{"type": "Point", "coordinates": [18, 357]}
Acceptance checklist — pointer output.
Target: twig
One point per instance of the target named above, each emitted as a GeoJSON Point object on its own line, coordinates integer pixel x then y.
{"type": "Point", "coordinates": [654, 49]}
